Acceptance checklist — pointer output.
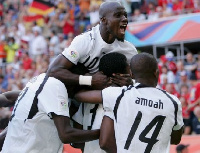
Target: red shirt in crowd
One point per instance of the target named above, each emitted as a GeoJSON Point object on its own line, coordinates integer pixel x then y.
{"type": "Point", "coordinates": [68, 28]}
{"type": "Point", "coordinates": [185, 112]}
{"type": "Point", "coordinates": [194, 94]}
{"type": "Point", "coordinates": [27, 63]}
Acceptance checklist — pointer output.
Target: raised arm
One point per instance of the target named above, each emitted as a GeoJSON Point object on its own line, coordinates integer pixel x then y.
{"type": "Point", "coordinates": [68, 134]}
{"type": "Point", "coordinates": [8, 99]}
{"type": "Point", "coordinates": [107, 135]}
{"type": "Point", "coordinates": [62, 69]}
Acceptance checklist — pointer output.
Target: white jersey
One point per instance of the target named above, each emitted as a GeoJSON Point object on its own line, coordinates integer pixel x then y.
{"type": "Point", "coordinates": [31, 128]}
{"type": "Point", "coordinates": [143, 117]}
{"type": "Point", "coordinates": [89, 47]}
{"type": "Point", "coordinates": [90, 116]}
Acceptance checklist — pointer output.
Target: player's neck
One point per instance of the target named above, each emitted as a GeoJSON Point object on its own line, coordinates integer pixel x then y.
{"type": "Point", "coordinates": [106, 36]}
{"type": "Point", "coordinates": [149, 82]}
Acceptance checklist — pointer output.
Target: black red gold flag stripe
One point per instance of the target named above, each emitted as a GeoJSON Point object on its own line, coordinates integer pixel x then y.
{"type": "Point", "coordinates": [41, 7]}
{"type": "Point", "coordinates": [32, 18]}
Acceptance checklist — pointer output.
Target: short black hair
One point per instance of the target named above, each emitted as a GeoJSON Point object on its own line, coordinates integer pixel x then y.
{"type": "Point", "coordinates": [113, 63]}
{"type": "Point", "coordinates": [143, 65]}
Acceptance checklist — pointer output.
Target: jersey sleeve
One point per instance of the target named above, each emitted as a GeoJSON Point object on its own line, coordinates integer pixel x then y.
{"type": "Point", "coordinates": [54, 98]}
{"type": "Point", "coordinates": [110, 96]}
{"type": "Point", "coordinates": [179, 115]}
{"type": "Point", "coordinates": [78, 116]}
{"type": "Point", "coordinates": [79, 47]}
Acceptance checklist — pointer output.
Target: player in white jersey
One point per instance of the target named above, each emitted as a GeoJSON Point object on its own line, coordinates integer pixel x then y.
{"type": "Point", "coordinates": [90, 115]}
{"type": "Point", "coordinates": [90, 46]}
{"type": "Point", "coordinates": [146, 119]}
{"type": "Point", "coordinates": [40, 119]}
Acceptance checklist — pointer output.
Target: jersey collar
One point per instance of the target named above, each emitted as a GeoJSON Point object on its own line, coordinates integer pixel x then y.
{"type": "Point", "coordinates": [140, 85]}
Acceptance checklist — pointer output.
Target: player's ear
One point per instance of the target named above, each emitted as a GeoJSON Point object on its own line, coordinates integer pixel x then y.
{"type": "Point", "coordinates": [103, 20]}
{"type": "Point", "coordinates": [156, 74]}
{"type": "Point", "coordinates": [132, 76]}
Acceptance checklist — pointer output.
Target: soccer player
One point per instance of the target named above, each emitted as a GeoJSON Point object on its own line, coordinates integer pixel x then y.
{"type": "Point", "coordinates": [90, 46]}
{"type": "Point", "coordinates": [146, 119]}
{"type": "Point", "coordinates": [90, 115]}
{"type": "Point", "coordinates": [40, 119]}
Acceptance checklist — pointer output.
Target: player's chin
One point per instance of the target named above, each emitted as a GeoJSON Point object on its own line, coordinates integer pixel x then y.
{"type": "Point", "coordinates": [121, 38]}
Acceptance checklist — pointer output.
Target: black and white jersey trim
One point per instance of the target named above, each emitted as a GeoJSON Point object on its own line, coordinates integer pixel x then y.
{"type": "Point", "coordinates": [118, 101]}
{"type": "Point", "coordinates": [34, 107]}
{"type": "Point", "coordinates": [174, 103]}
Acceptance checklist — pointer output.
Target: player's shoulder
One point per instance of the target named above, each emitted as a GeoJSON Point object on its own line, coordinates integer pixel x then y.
{"type": "Point", "coordinates": [88, 35]}
{"type": "Point", "coordinates": [171, 96]}
{"type": "Point", "coordinates": [114, 91]}
{"type": "Point", "coordinates": [129, 44]}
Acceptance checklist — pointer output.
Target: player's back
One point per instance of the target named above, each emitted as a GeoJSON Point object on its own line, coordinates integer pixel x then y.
{"type": "Point", "coordinates": [31, 128]}
{"type": "Point", "coordinates": [144, 119]}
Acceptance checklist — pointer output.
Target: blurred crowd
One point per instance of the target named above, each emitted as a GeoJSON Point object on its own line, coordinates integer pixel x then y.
{"type": "Point", "coordinates": [29, 42]}
{"type": "Point", "coordinates": [182, 79]}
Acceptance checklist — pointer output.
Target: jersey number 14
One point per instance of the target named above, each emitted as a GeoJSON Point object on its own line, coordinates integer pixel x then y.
{"type": "Point", "coordinates": [157, 121]}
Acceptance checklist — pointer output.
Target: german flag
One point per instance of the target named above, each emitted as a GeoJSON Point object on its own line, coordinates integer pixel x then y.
{"type": "Point", "coordinates": [32, 18]}
{"type": "Point", "coordinates": [41, 7]}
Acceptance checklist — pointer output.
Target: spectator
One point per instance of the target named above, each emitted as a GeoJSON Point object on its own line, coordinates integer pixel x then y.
{"type": "Point", "coordinates": [94, 14]}
{"type": "Point", "coordinates": [170, 75]}
{"type": "Point", "coordinates": [152, 14]}
{"type": "Point", "coordinates": [62, 44]}
{"type": "Point", "coordinates": [54, 43]}
{"type": "Point", "coordinates": [184, 92]}
{"type": "Point", "coordinates": [2, 52]}
{"type": "Point", "coordinates": [10, 49]}
{"type": "Point", "coordinates": [135, 4]}
{"type": "Point", "coordinates": [194, 93]}
{"type": "Point", "coordinates": [39, 44]}
{"type": "Point", "coordinates": [183, 80]}
{"type": "Point", "coordinates": [26, 61]}
{"type": "Point", "coordinates": [180, 69]}
{"type": "Point", "coordinates": [69, 40]}
{"type": "Point", "coordinates": [67, 25]}
{"type": "Point", "coordinates": [186, 115]}
{"type": "Point", "coordinates": [196, 120]}
{"type": "Point", "coordinates": [181, 148]}
{"type": "Point", "coordinates": [138, 16]}
{"type": "Point", "coordinates": [171, 65]}
{"type": "Point", "coordinates": [177, 6]}
{"type": "Point", "coordinates": [171, 89]}
{"type": "Point", "coordinates": [84, 5]}
{"type": "Point", "coordinates": [190, 64]}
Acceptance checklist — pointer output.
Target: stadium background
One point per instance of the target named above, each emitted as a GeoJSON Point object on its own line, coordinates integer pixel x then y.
{"type": "Point", "coordinates": [34, 32]}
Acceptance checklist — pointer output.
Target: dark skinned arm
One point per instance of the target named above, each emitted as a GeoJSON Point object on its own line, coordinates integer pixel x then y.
{"type": "Point", "coordinates": [78, 145]}
{"type": "Point", "coordinates": [176, 136]}
{"type": "Point", "coordinates": [2, 137]}
{"type": "Point", "coordinates": [91, 96]}
{"type": "Point", "coordinates": [60, 69]}
{"type": "Point", "coordinates": [107, 140]}
{"type": "Point", "coordinates": [68, 134]}
{"type": "Point", "coordinates": [8, 99]}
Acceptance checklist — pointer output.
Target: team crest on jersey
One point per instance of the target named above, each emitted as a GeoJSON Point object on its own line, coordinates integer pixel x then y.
{"type": "Point", "coordinates": [63, 105]}
{"type": "Point", "coordinates": [73, 54]}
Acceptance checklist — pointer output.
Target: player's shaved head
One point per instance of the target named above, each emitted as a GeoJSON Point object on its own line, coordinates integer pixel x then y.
{"type": "Point", "coordinates": [143, 65]}
{"type": "Point", "coordinates": [107, 7]}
